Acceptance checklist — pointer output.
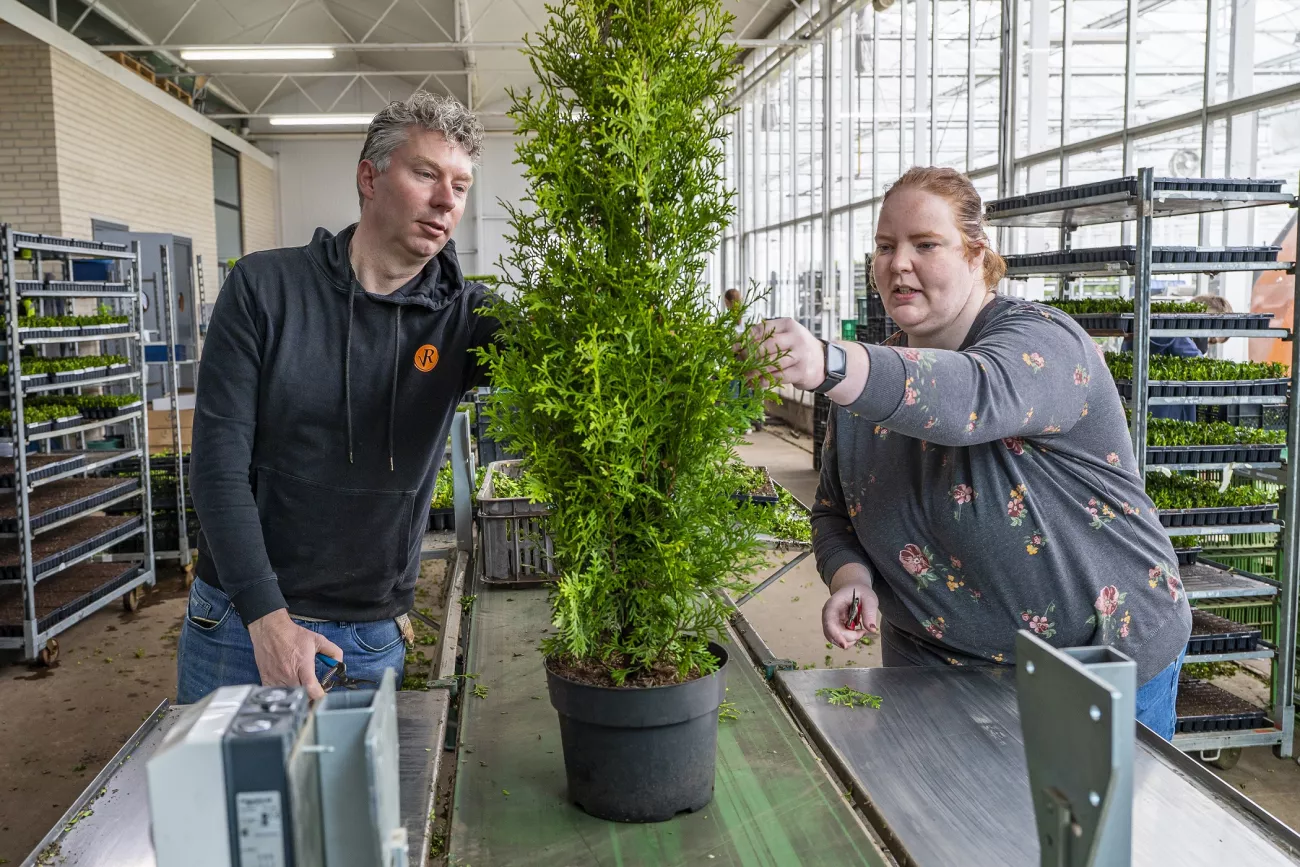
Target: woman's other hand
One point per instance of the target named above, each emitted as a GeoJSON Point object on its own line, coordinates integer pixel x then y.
{"type": "Point", "coordinates": [789, 353]}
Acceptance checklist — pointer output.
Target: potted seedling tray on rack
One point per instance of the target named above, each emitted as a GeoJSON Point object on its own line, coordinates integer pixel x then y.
{"type": "Point", "coordinates": [41, 465]}
{"type": "Point", "coordinates": [754, 484]}
{"type": "Point", "coordinates": [1184, 501]}
{"type": "Point", "coordinates": [1171, 376]}
{"type": "Point", "coordinates": [62, 595]}
{"type": "Point", "coordinates": [62, 499]}
{"type": "Point", "coordinates": [1187, 549]}
{"type": "Point", "coordinates": [1093, 257]}
{"type": "Point", "coordinates": [442, 510]}
{"type": "Point", "coordinates": [1204, 707]}
{"type": "Point", "coordinates": [1067, 196]}
{"type": "Point", "coordinates": [65, 544]}
{"type": "Point", "coordinates": [1214, 634]}
{"type": "Point", "coordinates": [1115, 316]}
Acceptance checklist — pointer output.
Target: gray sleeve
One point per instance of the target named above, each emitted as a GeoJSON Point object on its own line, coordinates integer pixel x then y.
{"type": "Point", "coordinates": [1029, 373]}
{"type": "Point", "coordinates": [225, 423]}
{"type": "Point", "coordinates": [835, 542]}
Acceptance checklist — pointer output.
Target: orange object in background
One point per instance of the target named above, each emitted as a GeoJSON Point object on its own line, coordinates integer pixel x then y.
{"type": "Point", "coordinates": [1274, 292]}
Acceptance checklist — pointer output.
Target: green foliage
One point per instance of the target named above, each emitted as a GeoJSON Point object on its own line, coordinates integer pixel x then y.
{"type": "Point", "coordinates": [83, 401]}
{"type": "Point", "coordinates": [36, 364]}
{"type": "Point", "coordinates": [442, 489]}
{"type": "Point", "coordinates": [786, 519]}
{"type": "Point", "coordinates": [1188, 492]}
{"type": "Point", "coordinates": [1210, 670]}
{"type": "Point", "coordinates": [727, 711]}
{"type": "Point", "coordinates": [1175, 369]}
{"type": "Point", "coordinates": [1171, 432]}
{"type": "Point", "coordinates": [844, 696]}
{"type": "Point", "coordinates": [1181, 543]}
{"type": "Point", "coordinates": [615, 370]}
{"type": "Point", "coordinates": [1095, 306]}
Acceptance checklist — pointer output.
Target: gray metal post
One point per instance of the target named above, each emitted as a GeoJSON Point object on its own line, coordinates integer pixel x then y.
{"type": "Point", "coordinates": [172, 384]}
{"type": "Point", "coordinates": [1141, 317]}
{"type": "Point", "coordinates": [141, 427]}
{"type": "Point", "coordinates": [1007, 103]}
{"type": "Point", "coordinates": [1130, 77]}
{"type": "Point", "coordinates": [1067, 14]}
{"type": "Point", "coordinates": [1285, 663]}
{"type": "Point", "coordinates": [832, 314]}
{"type": "Point", "coordinates": [462, 478]}
{"type": "Point", "coordinates": [1077, 717]}
{"type": "Point", "coordinates": [970, 82]}
{"type": "Point", "coordinates": [19, 439]}
{"type": "Point", "coordinates": [921, 130]}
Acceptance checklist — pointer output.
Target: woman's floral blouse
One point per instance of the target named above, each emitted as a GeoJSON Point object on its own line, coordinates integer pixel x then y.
{"type": "Point", "coordinates": [994, 489]}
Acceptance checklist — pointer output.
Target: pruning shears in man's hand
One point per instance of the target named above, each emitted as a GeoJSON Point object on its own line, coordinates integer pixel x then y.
{"type": "Point", "coordinates": [337, 675]}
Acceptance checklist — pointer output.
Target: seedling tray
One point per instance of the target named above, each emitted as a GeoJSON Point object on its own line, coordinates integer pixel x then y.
{"type": "Point", "coordinates": [27, 239]}
{"type": "Point", "coordinates": [63, 499]}
{"type": "Point", "coordinates": [1208, 388]}
{"type": "Point", "coordinates": [1214, 634]}
{"type": "Point", "coordinates": [1231, 454]}
{"type": "Point", "coordinates": [1218, 516]}
{"type": "Point", "coordinates": [1090, 256]}
{"type": "Point", "coordinates": [78, 374]}
{"type": "Point", "coordinates": [1204, 707]}
{"type": "Point", "coordinates": [1188, 556]}
{"type": "Point", "coordinates": [1129, 185]}
{"type": "Point", "coordinates": [111, 411]}
{"type": "Point", "coordinates": [517, 550]}
{"type": "Point", "coordinates": [63, 595]}
{"type": "Point", "coordinates": [66, 543]}
{"type": "Point", "coordinates": [72, 287]}
{"type": "Point", "coordinates": [765, 494]}
{"type": "Point", "coordinates": [442, 520]}
{"type": "Point", "coordinates": [41, 465]}
{"type": "Point", "coordinates": [1123, 322]}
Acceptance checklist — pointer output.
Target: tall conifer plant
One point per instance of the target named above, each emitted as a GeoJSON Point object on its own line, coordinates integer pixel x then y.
{"type": "Point", "coordinates": [617, 372]}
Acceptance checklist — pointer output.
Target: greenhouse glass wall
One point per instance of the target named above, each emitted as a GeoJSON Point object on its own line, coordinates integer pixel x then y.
{"type": "Point", "coordinates": [1022, 95]}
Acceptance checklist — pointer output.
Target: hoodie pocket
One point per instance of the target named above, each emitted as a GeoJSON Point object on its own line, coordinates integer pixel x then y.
{"type": "Point", "coordinates": [338, 545]}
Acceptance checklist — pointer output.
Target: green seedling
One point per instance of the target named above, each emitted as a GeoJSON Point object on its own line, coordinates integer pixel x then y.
{"type": "Point", "coordinates": [727, 711]}
{"type": "Point", "coordinates": [845, 696]}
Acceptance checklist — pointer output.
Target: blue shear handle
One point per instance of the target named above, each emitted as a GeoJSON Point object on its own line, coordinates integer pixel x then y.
{"type": "Point", "coordinates": [327, 661]}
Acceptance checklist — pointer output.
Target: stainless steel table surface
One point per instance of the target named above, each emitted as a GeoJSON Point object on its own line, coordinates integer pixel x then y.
{"type": "Point", "coordinates": [111, 825]}
{"type": "Point", "coordinates": [940, 771]}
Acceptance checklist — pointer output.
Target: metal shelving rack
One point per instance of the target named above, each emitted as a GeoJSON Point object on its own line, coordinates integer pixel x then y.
{"type": "Point", "coordinates": [37, 641]}
{"type": "Point", "coordinates": [1141, 203]}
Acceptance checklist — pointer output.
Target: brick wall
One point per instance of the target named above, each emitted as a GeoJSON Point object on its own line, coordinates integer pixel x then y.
{"type": "Point", "coordinates": [28, 168]}
{"type": "Point", "coordinates": [257, 199]}
{"type": "Point", "coordinates": [123, 159]}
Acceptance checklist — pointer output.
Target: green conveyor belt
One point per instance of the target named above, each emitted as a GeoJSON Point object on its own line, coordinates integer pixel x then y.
{"type": "Point", "coordinates": [773, 804]}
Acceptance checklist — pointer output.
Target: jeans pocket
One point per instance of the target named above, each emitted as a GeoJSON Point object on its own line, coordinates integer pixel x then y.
{"type": "Point", "coordinates": [378, 636]}
{"type": "Point", "coordinates": [208, 607]}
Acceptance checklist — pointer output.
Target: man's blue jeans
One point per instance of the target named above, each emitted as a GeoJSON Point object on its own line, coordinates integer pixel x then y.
{"type": "Point", "coordinates": [215, 649]}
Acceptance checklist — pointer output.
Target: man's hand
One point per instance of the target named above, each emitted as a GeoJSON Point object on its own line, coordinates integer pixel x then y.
{"type": "Point", "coordinates": [789, 353]}
{"type": "Point", "coordinates": [835, 613]}
{"type": "Point", "coordinates": [286, 653]}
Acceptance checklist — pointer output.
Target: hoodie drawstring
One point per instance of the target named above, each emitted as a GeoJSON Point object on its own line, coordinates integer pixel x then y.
{"type": "Point", "coordinates": [347, 369]}
{"type": "Point", "coordinates": [392, 400]}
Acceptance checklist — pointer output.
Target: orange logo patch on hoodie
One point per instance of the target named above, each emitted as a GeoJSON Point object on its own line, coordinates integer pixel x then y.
{"type": "Point", "coordinates": [426, 358]}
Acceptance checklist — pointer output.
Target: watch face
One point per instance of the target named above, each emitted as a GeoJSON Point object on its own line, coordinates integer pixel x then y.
{"type": "Point", "coordinates": [836, 360]}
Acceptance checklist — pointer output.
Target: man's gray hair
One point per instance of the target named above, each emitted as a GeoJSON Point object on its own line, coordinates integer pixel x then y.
{"type": "Point", "coordinates": [428, 111]}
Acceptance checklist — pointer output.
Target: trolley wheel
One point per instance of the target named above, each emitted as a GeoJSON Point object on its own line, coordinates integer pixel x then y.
{"type": "Point", "coordinates": [49, 653]}
{"type": "Point", "coordinates": [131, 601]}
{"type": "Point", "coordinates": [1227, 759]}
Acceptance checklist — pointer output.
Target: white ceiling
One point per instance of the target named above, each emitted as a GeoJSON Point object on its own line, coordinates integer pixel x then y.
{"type": "Point", "coordinates": [286, 87]}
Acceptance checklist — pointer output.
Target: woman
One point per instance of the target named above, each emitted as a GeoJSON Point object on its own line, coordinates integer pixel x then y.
{"type": "Point", "coordinates": [977, 476]}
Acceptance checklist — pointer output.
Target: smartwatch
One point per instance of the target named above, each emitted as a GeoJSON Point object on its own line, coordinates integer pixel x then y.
{"type": "Point", "coordinates": [837, 361]}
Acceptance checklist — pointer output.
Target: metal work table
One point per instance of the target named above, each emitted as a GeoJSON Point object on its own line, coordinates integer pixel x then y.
{"type": "Point", "coordinates": [940, 770]}
{"type": "Point", "coordinates": [108, 826]}
{"type": "Point", "coordinates": [774, 803]}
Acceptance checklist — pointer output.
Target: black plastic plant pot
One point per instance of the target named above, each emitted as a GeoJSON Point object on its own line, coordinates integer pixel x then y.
{"type": "Point", "coordinates": [640, 754]}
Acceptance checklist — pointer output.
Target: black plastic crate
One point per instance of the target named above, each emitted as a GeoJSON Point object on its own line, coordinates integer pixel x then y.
{"type": "Point", "coordinates": [821, 419]}
{"type": "Point", "coordinates": [1214, 634]}
{"type": "Point", "coordinates": [1123, 322]}
{"type": "Point", "coordinates": [1221, 516]}
{"type": "Point", "coordinates": [442, 520]}
{"type": "Point", "coordinates": [1237, 454]}
{"type": "Point", "coordinates": [874, 324]}
{"type": "Point", "coordinates": [1204, 707]}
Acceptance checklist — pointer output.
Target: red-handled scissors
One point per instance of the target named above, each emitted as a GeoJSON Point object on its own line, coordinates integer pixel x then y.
{"type": "Point", "coordinates": [855, 613]}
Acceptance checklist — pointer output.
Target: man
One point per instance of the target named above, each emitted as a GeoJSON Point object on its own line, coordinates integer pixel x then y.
{"type": "Point", "coordinates": [330, 376]}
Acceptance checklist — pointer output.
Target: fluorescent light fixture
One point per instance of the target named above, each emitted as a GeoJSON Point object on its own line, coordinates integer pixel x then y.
{"type": "Point", "coordinates": [322, 119]}
{"type": "Point", "coordinates": [236, 53]}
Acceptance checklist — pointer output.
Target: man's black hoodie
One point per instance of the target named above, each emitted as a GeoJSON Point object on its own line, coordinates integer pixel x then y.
{"type": "Point", "coordinates": [321, 421]}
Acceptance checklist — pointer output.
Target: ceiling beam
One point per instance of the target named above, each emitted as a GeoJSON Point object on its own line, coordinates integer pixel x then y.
{"type": "Point", "coordinates": [417, 46]}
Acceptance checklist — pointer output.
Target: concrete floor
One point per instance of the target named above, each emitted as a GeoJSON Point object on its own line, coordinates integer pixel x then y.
{"type": "Point", "coordinates": [59, 726]}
